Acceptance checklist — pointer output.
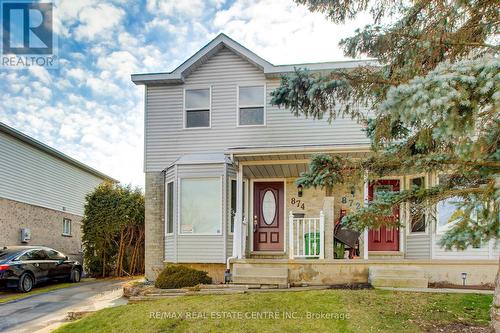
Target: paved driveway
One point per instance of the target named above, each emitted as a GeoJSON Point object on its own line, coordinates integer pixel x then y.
{"type": "Point", "coordinates": [45, 312]}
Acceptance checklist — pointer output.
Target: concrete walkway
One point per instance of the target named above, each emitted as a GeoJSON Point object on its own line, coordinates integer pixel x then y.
{"type": "Point", "coordinates": [43, 313]}
{"type": "Point", "coordinates": [441, 290]}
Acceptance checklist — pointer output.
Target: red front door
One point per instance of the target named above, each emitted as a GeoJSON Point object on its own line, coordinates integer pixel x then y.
{"type": "Point", "coordinates": [384, 238]}
{"type": "Point", "coordinates": [268, 201]}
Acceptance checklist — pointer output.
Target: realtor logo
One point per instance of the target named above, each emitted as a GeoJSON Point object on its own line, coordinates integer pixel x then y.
{"type": "Point", "coordinates": [27, 35]}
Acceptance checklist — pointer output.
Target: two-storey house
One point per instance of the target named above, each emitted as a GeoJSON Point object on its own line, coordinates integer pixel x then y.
{"type": "Point", "coordinates": [221, 164]}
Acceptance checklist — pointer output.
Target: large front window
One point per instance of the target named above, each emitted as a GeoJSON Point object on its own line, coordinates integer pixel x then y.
{"type": "Point", "coordinates": [201, 206]}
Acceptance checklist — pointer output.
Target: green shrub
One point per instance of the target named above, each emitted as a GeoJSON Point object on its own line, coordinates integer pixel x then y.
{"type": "Point", "coordinates": [178, 276]}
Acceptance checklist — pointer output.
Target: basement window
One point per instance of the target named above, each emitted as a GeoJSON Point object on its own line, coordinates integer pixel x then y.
{"type": "Point", "coordinates": [66, 227]}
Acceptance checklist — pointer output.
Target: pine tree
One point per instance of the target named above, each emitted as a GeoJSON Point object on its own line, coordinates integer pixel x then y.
{"type": "Point", "coordinates": [433, 89]}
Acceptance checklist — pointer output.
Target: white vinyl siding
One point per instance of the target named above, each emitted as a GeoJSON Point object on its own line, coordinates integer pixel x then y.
{"type": "Point", "coordinates": [32, 176]}
{"type": "Point", "coordinates": [224, 72]}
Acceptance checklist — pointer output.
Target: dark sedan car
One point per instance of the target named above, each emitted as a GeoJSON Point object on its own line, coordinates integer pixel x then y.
{"type": "Point", "coordinates": [23, 267]}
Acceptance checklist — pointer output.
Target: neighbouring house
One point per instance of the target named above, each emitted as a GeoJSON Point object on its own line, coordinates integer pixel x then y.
{"type": "Point", "coordinates": [220, 167]}
{"type": "Point", "coordinates": [42, 194]}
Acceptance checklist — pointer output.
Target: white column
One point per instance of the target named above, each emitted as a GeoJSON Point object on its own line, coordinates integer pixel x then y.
{"type": "Point", "coordinates": [239, 233]}
{"type": "Point", "coordinates": [290, 236]}
{"type": "Point", "coordinates": [365, 203]}
{"type": "Point", "coordinates": [322, 235]}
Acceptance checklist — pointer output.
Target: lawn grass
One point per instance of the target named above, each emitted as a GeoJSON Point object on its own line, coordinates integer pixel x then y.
{"type": "Point", "coordinates": [349, 310]}
{"type": "Point", "coordinates": [11, 295]}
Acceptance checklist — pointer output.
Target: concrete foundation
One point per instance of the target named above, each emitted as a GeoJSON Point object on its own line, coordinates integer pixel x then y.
{"type": "Point", "coordinates": [329, 272]}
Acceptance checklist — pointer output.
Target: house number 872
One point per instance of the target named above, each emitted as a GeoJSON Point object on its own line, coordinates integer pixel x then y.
{"type": "Point", "coordinates": [298, 203]}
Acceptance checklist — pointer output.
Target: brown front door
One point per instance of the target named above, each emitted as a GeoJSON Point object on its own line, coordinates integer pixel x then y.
{"type": "Point", "coordinates": [384, 238]}
{"type": "Point", "coordinates": [268, 201]}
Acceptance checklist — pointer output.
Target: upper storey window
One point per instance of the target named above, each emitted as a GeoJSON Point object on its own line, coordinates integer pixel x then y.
{"type": "Point", "coordinates": [197, 108]}
{"type": "Point", "coordinates": [251, 106]}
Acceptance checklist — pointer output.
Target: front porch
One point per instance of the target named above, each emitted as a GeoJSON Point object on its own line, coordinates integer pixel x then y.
{"type": "Point", "coordinates": [288, 238]}
{"type": "Point", "coordinates": [305, 219]}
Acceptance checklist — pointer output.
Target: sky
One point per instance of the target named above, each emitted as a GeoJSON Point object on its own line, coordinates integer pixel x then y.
{"type": "Point", "coordinates": [89, 109]}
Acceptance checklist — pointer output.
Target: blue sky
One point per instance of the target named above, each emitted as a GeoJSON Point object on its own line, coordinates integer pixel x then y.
{"type": "Point", "coordinates": [89, 109]}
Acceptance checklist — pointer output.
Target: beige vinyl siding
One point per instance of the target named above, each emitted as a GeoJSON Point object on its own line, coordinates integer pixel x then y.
{"type": "Point", "coordinates": [484, 252]}
{"type": "Point", "coordinates": [418, 246]}
{"type": "Point", "coordinates": [32, 176]}
{"type": "Point", "coordinates": [166, 139]}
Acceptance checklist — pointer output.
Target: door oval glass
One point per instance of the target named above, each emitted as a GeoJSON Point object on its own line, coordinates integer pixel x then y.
{"type": "Point", "coordinates": [268, 207]}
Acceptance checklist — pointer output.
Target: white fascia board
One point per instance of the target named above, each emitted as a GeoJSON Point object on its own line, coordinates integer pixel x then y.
{"type": "Point", "coordinates": [178, 75]}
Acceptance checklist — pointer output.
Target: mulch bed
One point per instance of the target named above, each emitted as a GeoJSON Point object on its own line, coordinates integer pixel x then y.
{"type": "Point", "coordinates": [457, 286]}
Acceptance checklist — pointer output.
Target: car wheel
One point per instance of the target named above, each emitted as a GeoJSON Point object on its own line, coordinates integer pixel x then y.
{"type": "Point", "coordinates": [75, 275]}
{"type": "Point", "coordinates": [25, 283]}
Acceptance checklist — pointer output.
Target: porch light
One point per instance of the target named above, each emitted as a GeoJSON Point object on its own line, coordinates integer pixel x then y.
{"type": "Point", "coordinates": [300, 188]}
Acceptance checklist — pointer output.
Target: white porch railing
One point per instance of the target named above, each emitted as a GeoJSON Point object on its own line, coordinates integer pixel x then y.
{"type": "Point", "coordinates": [306, 237]}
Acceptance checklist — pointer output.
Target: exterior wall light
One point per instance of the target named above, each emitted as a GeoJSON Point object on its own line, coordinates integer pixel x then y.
{"type": "Point", "coordinates": [464, 277]}
{"type": "Point", "coordinates": [300, 190]}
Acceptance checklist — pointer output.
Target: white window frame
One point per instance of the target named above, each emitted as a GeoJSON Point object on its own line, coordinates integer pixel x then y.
{"type": "Point", "coordinates": [407, 208]}
{"type": "Point", "coordinates": [166, 207]}
{"type": "Point", "coordinates": [185, 109]}
{"type": "Point", "coordinates": [238, 106]}
{"type": "Point", "coordinates": [68, 221]}
{"type": "Point", "coordinates": [179, 205]}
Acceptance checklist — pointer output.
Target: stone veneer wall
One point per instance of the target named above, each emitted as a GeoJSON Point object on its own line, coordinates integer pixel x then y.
{"type": "Point", "coordinates": [46, 226]}
{"type": "Point", "coordinates": [315, 200]}
{"type": "Point", "coordinates": [154, 224]}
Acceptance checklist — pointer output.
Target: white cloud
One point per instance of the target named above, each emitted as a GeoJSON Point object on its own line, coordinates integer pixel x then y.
{"type": "Point", "coordinates": [77, 73]}
{"type": "Point", "coordinates": [283, 32]}
{"type": "Point", "coordinates": [98, 21]}
{"type": "Point", "coordinates": [41, 74]}
{"type": "Point", "coordinates": [192, 8]}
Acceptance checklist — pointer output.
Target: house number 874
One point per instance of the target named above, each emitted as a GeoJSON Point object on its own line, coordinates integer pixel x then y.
{"type": "Point", "coordinates": [298, 203]}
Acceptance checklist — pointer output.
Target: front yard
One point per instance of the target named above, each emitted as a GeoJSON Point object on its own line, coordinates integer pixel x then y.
{"type": "Point", "coordinates": [306, 311]}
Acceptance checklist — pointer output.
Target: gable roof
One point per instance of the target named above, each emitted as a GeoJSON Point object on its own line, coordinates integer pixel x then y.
{"type": "Point", "coordinates": [51, 151]}
{"type": "Point", "coordinates": [178, 75]}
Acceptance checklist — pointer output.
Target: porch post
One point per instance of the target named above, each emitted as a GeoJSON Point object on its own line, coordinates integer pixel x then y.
{"type": "Point", "coordinates": [239, 238]}
{"type": "Point", "coordinates": [365, 202]}
{"type": "Point", "coordinates": [291, 254]}
{"type": "Point", "coordinates": [322, 235]}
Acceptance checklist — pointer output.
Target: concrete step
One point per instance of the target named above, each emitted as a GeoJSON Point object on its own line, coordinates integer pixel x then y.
{"type": "Point", "coordinates": [397, 276]}
{"type": "Point", "coordinates": [260, 271]}
{"type": "Point", "coordinates": [388, 255]}
{"type": "Point", "coordinates": [260, 280]}
{"type": "Point", "coordinates": [399, 282]}
{"type": "Point", "coordinates": [396, 271]}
